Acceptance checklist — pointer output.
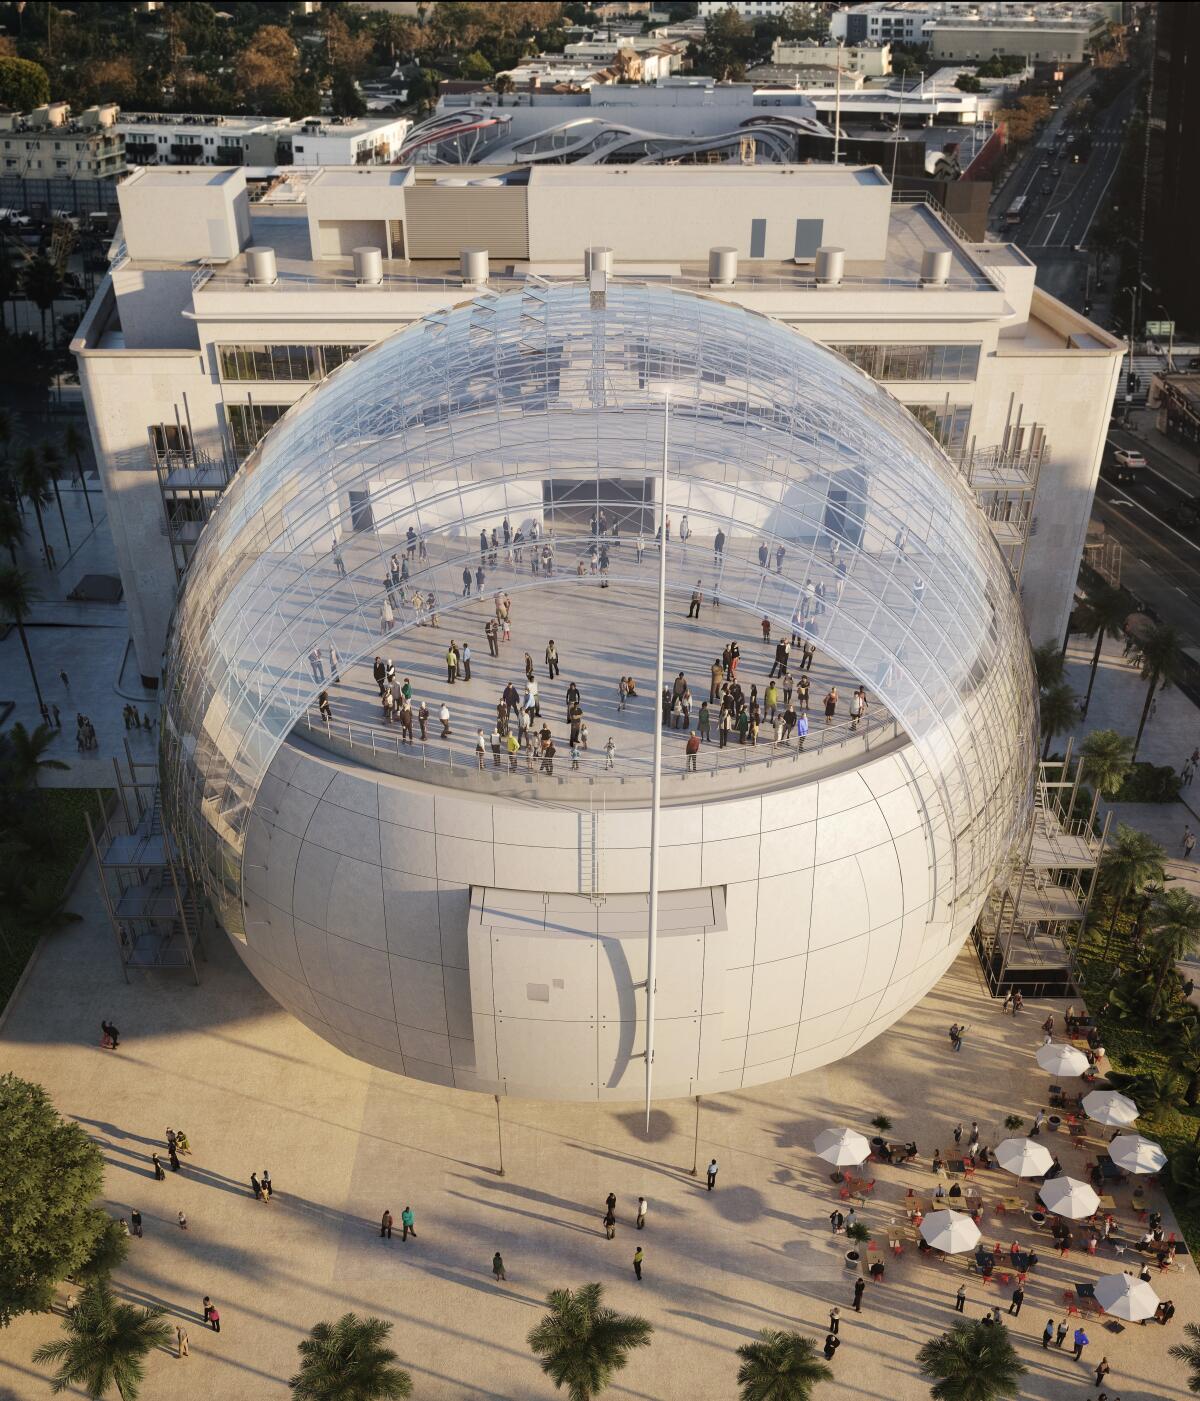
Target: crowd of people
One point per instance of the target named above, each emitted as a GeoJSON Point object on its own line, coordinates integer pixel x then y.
{"type": "Point", "coordinates": [773, 710]}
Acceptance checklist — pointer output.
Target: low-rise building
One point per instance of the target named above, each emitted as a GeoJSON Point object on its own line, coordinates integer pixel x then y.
{"type": "Point", "coordinates": [870, 58]}
{"type": "Point", "coordinates": [1043, 33]}
{"type": "Point", "coordinates": [50, 141]}
{"type": "Point", "coordinates": [191, 138]}
{"type": "Point", "coordinates": [223, 314]}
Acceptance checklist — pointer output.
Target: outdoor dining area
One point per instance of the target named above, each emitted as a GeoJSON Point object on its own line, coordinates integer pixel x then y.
{"type": "Point", "coordinates": [1037, 1206]}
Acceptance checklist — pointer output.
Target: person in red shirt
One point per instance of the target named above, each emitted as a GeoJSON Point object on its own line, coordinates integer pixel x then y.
{"type": "Point", "coordinates": [692, 748]}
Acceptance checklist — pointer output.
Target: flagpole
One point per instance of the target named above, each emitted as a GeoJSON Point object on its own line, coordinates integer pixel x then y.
{"type": "Point", "coordinates": [656, 775]}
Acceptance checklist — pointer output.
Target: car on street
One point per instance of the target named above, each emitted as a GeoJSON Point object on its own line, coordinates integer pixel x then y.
{"type": "Point", "coordinates": [1125, 466]}
{"type": "Point", "coordinates": [1128, 457]}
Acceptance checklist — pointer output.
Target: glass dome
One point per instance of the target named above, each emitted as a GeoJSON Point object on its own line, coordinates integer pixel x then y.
{"type": "Point", "coordinates": [507, 404]}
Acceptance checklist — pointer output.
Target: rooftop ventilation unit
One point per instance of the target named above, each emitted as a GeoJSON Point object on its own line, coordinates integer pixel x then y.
{"type": "Point", "coordinates": [722, 267]}
{"type": "Point", "coordinates": [260, 267]}
{"type": "Point", "coordinates": [935, 267]}
{"type": "Point", "coordinates": [473, 264]}
{"type": "Point", "coordinates": [597, 260]}
{"type": "Point", "coordinates": [368, 267]}
{"type": "Point", "coordinates": [831, 266]}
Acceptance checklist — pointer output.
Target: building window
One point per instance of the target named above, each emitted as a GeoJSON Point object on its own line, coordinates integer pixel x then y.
{"type": "Point", "coordinates": [168, 437]}
{"type": "Point", "coordinates": [948, 423]}
{"type": "Point", "coordinates": [284, 364]}
{"type": "Point", "coordinates": [914, 362]}
{"type": "Point", "coordinates": [250, 423]}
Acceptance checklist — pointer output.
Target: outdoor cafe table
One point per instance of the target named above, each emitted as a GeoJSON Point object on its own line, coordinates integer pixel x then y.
{"type": "Point", "coordinates": [1012, 1203]}
{"type": "Point", "coordinates": [1110, 1171]}
{"type": "Point", "coordinates": [1107, 1203]}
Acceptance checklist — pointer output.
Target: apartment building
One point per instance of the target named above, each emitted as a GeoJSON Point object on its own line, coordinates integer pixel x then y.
{"type": "Point", "coordinates": [51, 143]}
{"type": "Point", "coordinates": [187, 138]}
{"type": "Point", "coordinates": [221, 315]}
{"type": "Point", "coordinates": [870, 59]}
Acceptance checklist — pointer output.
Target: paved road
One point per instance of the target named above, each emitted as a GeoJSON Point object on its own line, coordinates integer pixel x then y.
{"type": "Point", "coordinates": [1057, 224]}
{"type": "Point", "coordinates": [1160, 544]}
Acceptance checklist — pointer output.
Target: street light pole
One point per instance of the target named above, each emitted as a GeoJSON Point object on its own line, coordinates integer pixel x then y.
{"type": "Point", "coordinates": [656, 777]}
{"type": "Point", "coordinates": [696, 1140]}
{"type": "Point", "coordinates": [499, 1136]}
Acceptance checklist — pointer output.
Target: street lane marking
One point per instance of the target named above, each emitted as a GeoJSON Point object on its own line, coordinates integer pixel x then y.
{"type": "Point", "coordinates": [1184, 592]}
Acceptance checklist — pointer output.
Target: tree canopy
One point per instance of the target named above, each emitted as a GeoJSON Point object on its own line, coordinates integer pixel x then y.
{"type": "Point", "coordinates": [23, 84]}
{"type": "Point", "coordinates": [50, 1173]}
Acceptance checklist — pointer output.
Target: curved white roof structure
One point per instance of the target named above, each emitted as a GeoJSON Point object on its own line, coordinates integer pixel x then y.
{"type": "Point", "coordinates": [490, 410]}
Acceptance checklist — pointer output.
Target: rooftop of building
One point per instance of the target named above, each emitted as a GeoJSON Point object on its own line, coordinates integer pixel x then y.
{"type": "Point", "coordinates": [334, 126]}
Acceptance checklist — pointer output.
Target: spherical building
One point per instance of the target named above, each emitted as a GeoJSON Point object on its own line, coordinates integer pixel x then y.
{"type": "Point", "coordinates": [450, 897]}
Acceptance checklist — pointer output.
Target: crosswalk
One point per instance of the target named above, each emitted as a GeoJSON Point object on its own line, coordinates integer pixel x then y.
{"type": "Point", "coordinates": [1144, 366]}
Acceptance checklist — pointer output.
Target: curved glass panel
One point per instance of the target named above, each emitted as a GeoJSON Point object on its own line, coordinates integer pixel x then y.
{"type": "Point", "coordinates": [545, 400]}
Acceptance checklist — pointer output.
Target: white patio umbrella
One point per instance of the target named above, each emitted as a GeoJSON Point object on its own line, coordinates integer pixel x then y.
{"type": "Point", "coordinates": [1109, 1107]}
{"type": "Point", "coordinates": [1060, 1059]}
{"type": "Point", "coordinates": [1133, 1153]}
{"type": "Point", "coordinates": [1065, 1196]}
{"type": "Point", "coordinates": [951, 1231]}
{"type": "Point", "coordinates": [1126, 1296]}
{"type": "Point", "coordinates": [842, 1147]}
{"type": "Point", "coordinates": [1023, 1157]}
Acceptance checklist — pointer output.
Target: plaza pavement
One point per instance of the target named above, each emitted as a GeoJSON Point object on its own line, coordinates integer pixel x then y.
{"type": "Point", "coordinates": [253, 1089]}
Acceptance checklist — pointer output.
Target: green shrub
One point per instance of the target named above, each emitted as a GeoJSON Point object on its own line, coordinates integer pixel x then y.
{"type": "Point", "coordinates": [1150, 783]}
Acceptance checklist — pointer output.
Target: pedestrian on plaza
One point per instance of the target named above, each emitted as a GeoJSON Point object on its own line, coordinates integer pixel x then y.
{"type": "Point", "coordinates": [110, 1036]}
{"type": "Point", "coordinates": [174, 1157]}
{"type": "Point", "coordinates": [692, 750]}
{"type": "Point", "coordinates": [214, 1318]}
{"type": "Point", "coordinates": [266, 1185]}
{"type": "Point", "coordinates": [182, 1222]}
{"type": "Point", "coordinates": [256, 1187]}
{"type": "Point", "coordinates": [836, 1221]}
{"type": "Point", "coordinates": [407, 1226]}
{"type": "Point", "coordinates": [1081, 1341]}
{"type": "Point", "coordinates": [1102, 1370]}
{"type": "Point", "coordinates": [1060, 1332]}
{"type": "Point", "coordinates": [314, 662]}
{"type": "Point", "coordinates": [832, 1343]}
{"type": "Point", "coordinates": [860, 1285]}
{"type": "Point", "coordinates": [135, 1223]}
{"type": "Point", "coordinates": [552, 659]}
{"type": "Point", "coordinates": [464, 661]}
{"type": "Point", "coordinates": [610, 1223]}
{"type": "Point", "coordinates": [159, 1174]}
{"type": "Point", "coordinates": [835, 1318]}
{"type": "Point", "coordinates": [1189, 843]}
{"type": "Point", "coordinates": [960, 1299]}
{"type": "Point", "coordinates": [492, 632]}
{"type": "Point", "coordinates": [498, 1267]}
{"type": "Point", "coordinates": [181, 1342]}
{"type": "Point", "coordinates": [638, 1256]}
{"type": "Point", "coordinates": [444, 717]}
{"type": "Point", "coordinates": [711, 1174]}
{"type": "Point", "coordinates": [697, 599]}
{"type": "Point", "coordinates": [957, 1134]}
{"type": "Point", "coordinates": [385, 1225]}
{"type": "Point", "coordinates": [642, 1208]}
{"type": "Point", "coordinates": [1018, 1298]}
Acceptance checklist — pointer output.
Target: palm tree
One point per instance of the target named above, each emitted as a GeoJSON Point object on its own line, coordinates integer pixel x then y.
{"type": "Point", "coordinates": [1106, 761]}
{"type": "Point", "coordinates": [347, 1361]}
{"type": "Point", "coordinates": [1160, 656]}
{"type": "Point", "coordinates": [1184, 1051]}
{"type": "Point", "coordinates": [582, 1343]}
{"type": "Point", "coordinates": [16, 594]}
{"type": "Point", "coordinates": [42, 284]}
{"type": "Point", "coordinates": [1058, 709]}
{"type": "Point", "coordinates": [10, 529]}
{"type": "Point", "coordinates": [779, 1366]}
{"type": "Point", "coordinates": [31, 482]}
{"type": "Point", "coordinates": [1047, 665]}
{"type": "Point", "coordinates": [1189, 1353]}
{"type": "Point", "coordinates": [73, 444]}
{"type": "Point", "coordinates": [1175, 933]}
{"type": "Point", "coordinates": [23, 754]}
{"type": "Point", "coordinates": [52, 461]}
{"type": "Point", "coordinates": [1104, 614]}
{"type": "Point", "coordinates": [1130, 862]}
{"type": "Point", "coordinates": [972, 1362]}
{"type": "Point", "coordinates": [105, 1344]}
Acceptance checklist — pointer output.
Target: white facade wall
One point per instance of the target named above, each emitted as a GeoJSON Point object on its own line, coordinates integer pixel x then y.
{"type": "Point", "coordinates": [358, 893]}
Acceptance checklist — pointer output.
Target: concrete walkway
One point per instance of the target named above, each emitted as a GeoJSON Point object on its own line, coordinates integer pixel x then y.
{"type": "Point", "coordinates": [254, 1089]}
